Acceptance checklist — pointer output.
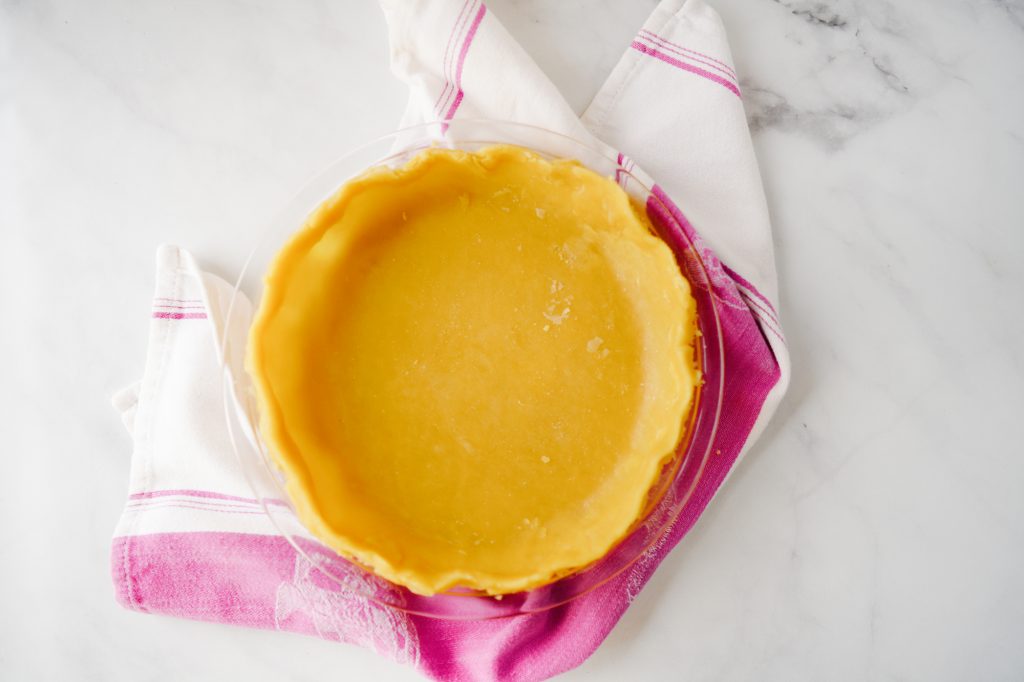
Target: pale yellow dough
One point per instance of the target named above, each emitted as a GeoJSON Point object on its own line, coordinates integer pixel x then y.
{"type": "Point", "coordinates": [471, 369]}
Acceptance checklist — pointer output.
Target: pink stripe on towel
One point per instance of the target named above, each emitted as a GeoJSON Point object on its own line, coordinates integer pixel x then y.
{"type": "Point", "coordinates": [152, 572]}
{"type": "Point", "coordinates": [752, 289]}
{"type": "Point", "coordinates": [203, 494]}
{"type": "Point", "coordinates": [259, 581]}
{"type": "Point", "coordinates": [462, 60]}
{"type": "Point", "coordinates": [650, 35]}
{"type": "Point", "coordinates": [456, 29]}
{"type": "Point", "coordinates": [762, 316]}
{"type": "Point", "coordinates": [198, 507]}
{"type": "Point", "coordinates": [682, 55]}
{"type": "Point", "coordinates": [668, 59]}
{"type": "Point", "coordinates": [178, 316]}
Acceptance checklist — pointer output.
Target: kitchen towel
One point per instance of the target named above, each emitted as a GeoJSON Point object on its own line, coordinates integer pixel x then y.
{"type": "Point", "coordinates": [194, 542]}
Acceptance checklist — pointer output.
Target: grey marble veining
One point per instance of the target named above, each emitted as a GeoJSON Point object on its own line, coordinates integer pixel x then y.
{"type": "Point", "coordinates": [876, 532]}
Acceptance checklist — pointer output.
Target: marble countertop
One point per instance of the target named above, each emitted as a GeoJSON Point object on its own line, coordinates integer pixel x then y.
{"type": "Point", "coordinates": [876, 531]}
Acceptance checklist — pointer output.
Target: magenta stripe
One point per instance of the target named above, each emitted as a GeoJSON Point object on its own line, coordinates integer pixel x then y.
{"type": "Point", "coordinates": [223, 577]}
{"type": "Point", "coordinates": [444, 91]}
{"type": "Point", "coordinates": [178, 300]}
{"type": "Point", "coordinates": [688, 57]}
{"type": "Point", "coordinates": [462, 60]}
{"type": "Point", "coordinates": [155, 501]}
{"type": "Point", "coordinates": [206, 494]}
{"type": "Point", "coordinates": [196, 507]}
{"type": "Point", "coordinates": [624, 170]}
{"type": "Point", "coordinates": [760, 316]}
{"type": "Point", "coordinates": [456, 28]}
{"type": "Point", "coordinates": [750, 287]}
{"type": "Point", "coordinates": [759, 306]}
{"type": "Point", "coordinates": [469, 39]}
{"type": "Point", "coordinates": [448, 51]}
{"type": "Point", "coordinates": [722, 64]}
{"type": "Point", "coordinates": [179, 316]}
{"type": "Point", "coordinates": [714, 77]}
{"type": "Point", "coordinates": [454, 106]}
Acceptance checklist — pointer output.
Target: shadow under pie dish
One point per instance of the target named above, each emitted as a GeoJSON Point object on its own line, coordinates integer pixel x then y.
{"type": "Point", "coordinates": [475, 370]}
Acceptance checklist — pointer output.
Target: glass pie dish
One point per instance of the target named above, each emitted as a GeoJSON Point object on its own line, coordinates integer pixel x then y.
{"type": "Point", "coordinates": [665, 500]}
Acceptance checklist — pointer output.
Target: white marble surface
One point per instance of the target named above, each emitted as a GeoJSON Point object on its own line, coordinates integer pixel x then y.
{"type": "Point", "coordinates": [877, 531]}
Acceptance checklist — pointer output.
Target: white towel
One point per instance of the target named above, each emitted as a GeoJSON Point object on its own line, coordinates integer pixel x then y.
{"type": "Point", "coordinates": [194, 542]}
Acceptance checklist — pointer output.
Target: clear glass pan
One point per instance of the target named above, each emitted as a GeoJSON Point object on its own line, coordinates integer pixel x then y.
{"type": "Point", "coordinates": [666, 500]}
